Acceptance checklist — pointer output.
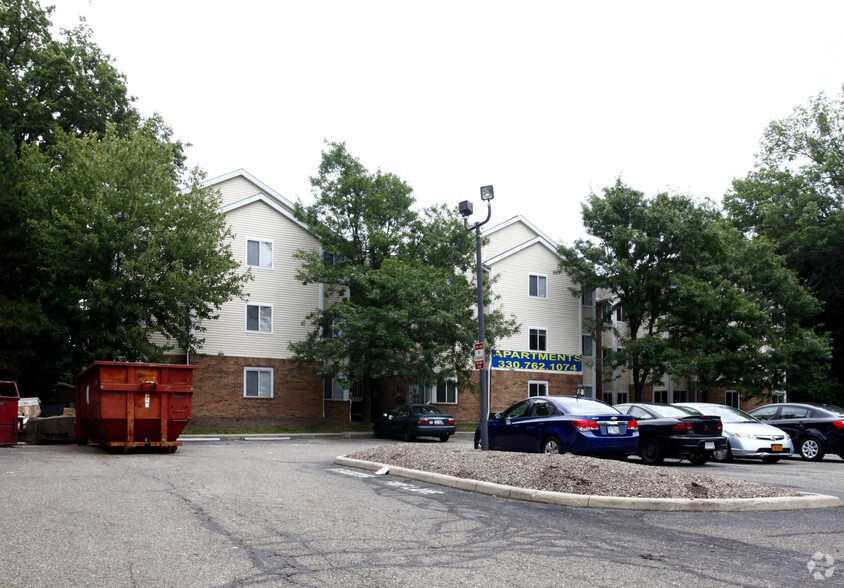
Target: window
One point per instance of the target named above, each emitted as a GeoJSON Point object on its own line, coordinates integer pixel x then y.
{"type": "Point", "coordinates": [680, 396]}
{"type": "Point", "coordinates": [731, 398]}
{"type": "Point", "coordinates": [619, 315]}
{"type": "Point", "coordinates": [607, 396]}
{"type": "Point", "coordinates": [332, 389]}
{"type": "Point", "coordinates": [537, 388]}
{"type": "Point", "coordinates": [588, 298]}
{"type": "Point", "coordinates": [766, 413]}
{"type": "Point", "coordinates": [587, 345]}
{"type": "Point", "coordinates": [444, 392]}
{"type": "Point", "coordinates": [661, 396]}
{"type": "Point", "coordinates": [538, 287]}
{"type": "Point", "coordinates": [258, 382]}
{"type": "Point", "coordinates": [621, 397]}
{"type": "Point", "coordinates": [259, 318]}
{"type": "Point", "coordinates": [538, 340]}
{"type": "Point", "coordinates": [794, 412]}
{"type": "Point", "coordinates": [259, 253]}
{"type": "Point", "coordinates": [640, 414]}
{"type": "Point", "coordinates": [587, 391]}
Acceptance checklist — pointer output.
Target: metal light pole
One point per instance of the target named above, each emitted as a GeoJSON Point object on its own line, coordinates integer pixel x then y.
{"type": "Point", "coordinates": [465, 208]}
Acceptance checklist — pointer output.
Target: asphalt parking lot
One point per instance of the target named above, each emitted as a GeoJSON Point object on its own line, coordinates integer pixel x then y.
{"type": "Point", "coordinates": [269, 513]}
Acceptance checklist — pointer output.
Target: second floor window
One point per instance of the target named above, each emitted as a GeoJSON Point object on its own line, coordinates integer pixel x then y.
{"type": "Point", "coordinates": [259, 253]}
{"type": "Point", "coordinates": [259, 319]}
{"type": "Point", "coordinates": [538, 286]}
{"type": "Point", "coordinates": [587, 345]}
{"type": "Point", "coordinates": [538, 340]}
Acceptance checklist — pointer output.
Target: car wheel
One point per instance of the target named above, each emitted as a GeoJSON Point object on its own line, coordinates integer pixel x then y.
{"type": "Point", "coordinates": [771, 459]}
{"type": "Point", "coordinates": [811, 448]}
{"type": "Point", "coordinates": [723, 455]}
{"type": "Point", "coordinates": [407, 435]}
{"type": "Point", "coordinates": [477, 439]}
{"type": "Point", "coordinates": [444, 438]}
{"type": "Point", "coordinates": [552, 445]}
{"type": "Point", "coordinates": [651, 452]}
{"type": "Point", "coordinates": [699, 458]}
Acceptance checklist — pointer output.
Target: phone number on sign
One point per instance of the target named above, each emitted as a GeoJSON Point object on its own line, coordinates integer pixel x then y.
{"type": "Point", "coordinates": [528, 365]}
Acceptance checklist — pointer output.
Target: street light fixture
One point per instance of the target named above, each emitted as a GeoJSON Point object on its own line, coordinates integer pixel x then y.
{"type": "Point", "coordinates": [466, 210]}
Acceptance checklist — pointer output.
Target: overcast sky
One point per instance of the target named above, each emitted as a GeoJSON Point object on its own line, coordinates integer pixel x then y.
{"type": "Point", "coordinates": [546, 101]}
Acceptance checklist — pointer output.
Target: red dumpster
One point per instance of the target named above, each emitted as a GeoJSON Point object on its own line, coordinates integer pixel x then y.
{"type": "Point", "coordinates": [128, 405]}
{"type": "Point", "coordinates": [9, 399]}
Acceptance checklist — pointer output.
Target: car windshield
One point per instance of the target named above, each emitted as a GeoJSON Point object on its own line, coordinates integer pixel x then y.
{"type": "Point", "coordinates": [672, 411]}
{"type": "Point", "coordinates": [426, 409]}
{"type": "Point", "coordinates": [728, 414]}
{"type": "Point", "coordinates": [584, 406]}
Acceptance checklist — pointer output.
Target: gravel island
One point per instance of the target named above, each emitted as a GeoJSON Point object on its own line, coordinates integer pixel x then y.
{"type": "Point", "coordinates": [567, 473]}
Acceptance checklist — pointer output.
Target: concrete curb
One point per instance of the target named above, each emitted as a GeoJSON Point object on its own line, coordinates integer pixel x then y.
{"type": "Point", "coordinates": [802, 502]}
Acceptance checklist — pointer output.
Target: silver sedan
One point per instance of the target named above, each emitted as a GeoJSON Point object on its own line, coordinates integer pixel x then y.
{"type": "Point", "coordinates": [747, 436]}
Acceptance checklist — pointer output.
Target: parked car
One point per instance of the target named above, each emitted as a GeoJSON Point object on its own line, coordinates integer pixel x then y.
{"type": "Point", "coordinates": [815, 429]}
{"type": "Point", "coordinates": [675, 431]}
{"type": "Point", "coordinates": [410, 421]}
{"type": "Point", "coordinates": [747, 437]}
{"type": "Point", "coordinates": [560, 424]}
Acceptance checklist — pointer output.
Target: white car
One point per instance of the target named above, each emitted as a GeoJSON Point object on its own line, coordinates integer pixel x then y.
{"type": "Point", "coordinates": [747, 436]}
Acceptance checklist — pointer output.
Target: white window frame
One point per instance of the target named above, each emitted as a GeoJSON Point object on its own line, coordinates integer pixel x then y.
{"type": "Point", "coordinates": [544, 330]}
{"type": "Point", "coordinates": [262, 262]}
{"type": "Point", "coordinates": [588, 345]}
{"type": "Point", "coordinates": [544, 282]}
{"type": "Point", "coordinates": [736, 395]}
{"type": "Point", "coordinates": [541, 385]}
{"type": "Point", "coordinates": [259, 371]}
{"type": "Point", "coordinates": [337, 391]}
{"type": "Point", "coordinates": [260, 306]}
{"type": "Point", "coordinates": [433, 390]}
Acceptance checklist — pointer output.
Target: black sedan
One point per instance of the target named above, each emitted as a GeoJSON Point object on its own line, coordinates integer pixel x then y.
{"type": "Point", "coordinates": [815, 429]}
{"type": "Point", "coordinates": [561, 424]}
{"type": "Point", "coordinates": [410, 421]}
{"type": "Point", "coordinates": [675, 431]}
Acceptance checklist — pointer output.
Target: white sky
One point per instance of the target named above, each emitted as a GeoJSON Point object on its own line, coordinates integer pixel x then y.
{"type": "Point", "coordinates": [546, 100]}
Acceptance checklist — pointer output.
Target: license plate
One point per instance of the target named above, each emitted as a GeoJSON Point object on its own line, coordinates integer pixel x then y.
{"type": "Point", "coordinates": [612, 429]}
{"type": "Point", "coordinates": [776, 447]}
{"type": "Point", "coordinates": [436, 422]}
{"type": "Point", "coordinates": [709, 445]}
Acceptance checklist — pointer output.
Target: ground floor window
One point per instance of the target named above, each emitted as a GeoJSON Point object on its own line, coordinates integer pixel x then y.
{"type": "Point", "coordinates": [537, 388]}
{"type": "Point", "coordinates": [680, 396]}
{"type": "Point", "coordinates": [258, 382]}
{"type": "Point", "coordinates": [731, 398]}
{"type": "Point", "coordinates": [332, 390]}
{"type": "Point", "coordinates": [661, 396]}
{"type": "Point", "coordinates": [444, 392]}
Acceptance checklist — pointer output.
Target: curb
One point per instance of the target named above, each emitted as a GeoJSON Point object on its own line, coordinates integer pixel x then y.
{"type": "Point", "coordinates": [802, 502]}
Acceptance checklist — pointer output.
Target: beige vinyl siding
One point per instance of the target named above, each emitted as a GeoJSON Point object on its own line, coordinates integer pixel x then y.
{"type": "Point", "coordinates": [239, 188]}
{"type": "Point", "coordinates": [506, 238]}
{"type": "Point", "coordinates": [559, 313]}
{"type": "Point", "coordinates": [276, 287]}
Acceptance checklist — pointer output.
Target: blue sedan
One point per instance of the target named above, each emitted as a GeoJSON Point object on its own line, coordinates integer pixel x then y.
{"type": "Point", "coordinates": [560, 424]}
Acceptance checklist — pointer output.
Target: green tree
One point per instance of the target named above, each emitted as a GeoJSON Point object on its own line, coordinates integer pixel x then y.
{"type": "Point", "coordinates": [400, 301]}
{"type": "Point", "coordinates": [47, 85]}
{"type": "Point", "coordinates": [697, 298]}
{"type": "Point", "coordinates": [123, 254]}
{"type": "Point", "coordinates": [793, 198]}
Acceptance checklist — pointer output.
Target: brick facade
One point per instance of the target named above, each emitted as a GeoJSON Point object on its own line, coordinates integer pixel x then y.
{"type": "Point", "coordinates": [297, 396]}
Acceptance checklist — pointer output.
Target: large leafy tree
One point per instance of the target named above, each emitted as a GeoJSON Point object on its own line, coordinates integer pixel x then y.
{"type": "Point", "coordinates": [698, 300]}
{"type": "Point", "coordinates": [793, 199]}
{"type": "Point", "coordinates": [47, 85]}
{"type": "Point", "coordinates": [399, 296]}
{"type": "Point", "coordinates": [123, 254]}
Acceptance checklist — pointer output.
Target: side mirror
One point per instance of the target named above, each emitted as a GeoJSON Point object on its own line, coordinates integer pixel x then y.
{"type": "Point", "coordinates": [495, 416]}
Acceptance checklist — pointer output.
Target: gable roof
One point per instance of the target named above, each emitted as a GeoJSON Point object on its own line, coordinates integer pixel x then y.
{"type": "Point", "coordinates": [267, 195]}
{"type": "Point", "coordinates": [541, 238]}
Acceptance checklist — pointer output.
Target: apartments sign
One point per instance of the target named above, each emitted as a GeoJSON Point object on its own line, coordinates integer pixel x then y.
{"type": "Point", "coordinates": [535, 360]}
